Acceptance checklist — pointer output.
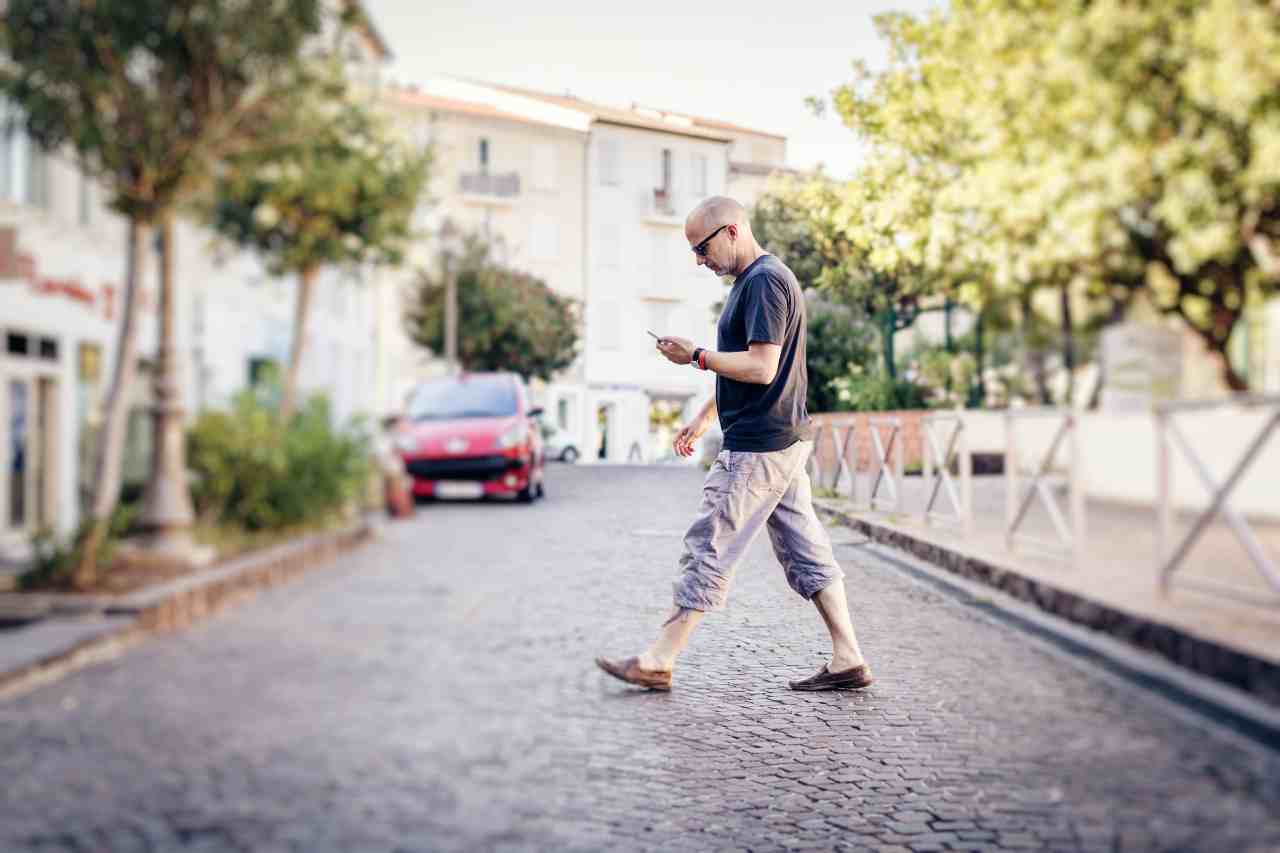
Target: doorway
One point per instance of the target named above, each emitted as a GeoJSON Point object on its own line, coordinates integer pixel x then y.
{"type": "Point", "coordinates": [29, 453]}
{"type": "Point", "coordinates": [604, 426]}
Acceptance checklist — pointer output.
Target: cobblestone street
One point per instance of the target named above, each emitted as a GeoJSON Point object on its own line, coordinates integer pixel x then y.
{"type": "Point", "coordinates": [435, 691]}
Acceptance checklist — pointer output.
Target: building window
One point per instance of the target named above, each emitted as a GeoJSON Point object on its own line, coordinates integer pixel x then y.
{"type": "Point", "coordinates": [88, 417]}
{"type": "Point", "coordinates": [17, 474]}
{"type": "Point", "coordinates": [666, 171]}
{"type": "Point", "coordinates": [562, 412]}
{"type": "Point", "coordinates": [86, 200]}
{"type": "Point", "coordinates": [610, 174]}
{"type": "Point", "coordinates": [609, 329]}
{"type": "Point", "coordinates": [699, 169]}
{"type": "Point", "coordinates": [660, 318]}
{"type": "Point", "coordinates": [23, 166]}
{"type": "Point", "coordinates": [484, 156]}
{"type": "Point", "coordinates": [544, 166]}
{"type": "Point", "coordinates": [660, 248]}
{"type": "Point", "coordinates": [544, 237]}
{"type": "Point", "coordinates": [265, 374]}
{"type": "Point", "coordinates": [610, 246]}
{"type": "Point", "coordinates": [48, 349]}
{"type": "Point", "coordinates": [17, 344]}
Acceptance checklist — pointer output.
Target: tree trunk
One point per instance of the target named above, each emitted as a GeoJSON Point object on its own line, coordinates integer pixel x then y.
{"type": "Point", "coordinates": [1032, 357]}
{"type": "Point", "coordinates": [167, 514]}
{"type": "Point", "coordinates": [450, 316]}
{"type": "Point", "coordinates": [1068, 342]}
{"type": "Point", "coordinates": [1230, 377]}
{"type": "Point", "coordinates": [302, 307]}
{"type": "Point", "coordinates": [108, 455]}
{"type": "Point", "coordinates": [888, 327]}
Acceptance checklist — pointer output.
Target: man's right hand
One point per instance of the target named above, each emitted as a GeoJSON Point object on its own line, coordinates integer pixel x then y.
{"type": "Point", "coordinates": [686, 438]}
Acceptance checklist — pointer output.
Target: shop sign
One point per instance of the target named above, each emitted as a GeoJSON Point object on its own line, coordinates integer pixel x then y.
{"type": "Point", "coordinates": [15, 264]}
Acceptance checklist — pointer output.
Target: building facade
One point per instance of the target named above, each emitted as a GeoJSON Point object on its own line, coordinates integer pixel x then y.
{"type": "Point", "coordinates": [62, 265]}
{"type": "Point", "coordinates": [592, 199]}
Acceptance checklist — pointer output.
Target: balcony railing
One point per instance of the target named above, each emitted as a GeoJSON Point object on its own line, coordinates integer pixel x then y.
{"type": "Point", "coordinates": [494, 186]}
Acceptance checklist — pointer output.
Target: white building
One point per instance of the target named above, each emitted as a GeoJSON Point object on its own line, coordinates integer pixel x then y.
{"type": "Point", "coordinates": [62, 263]}
{"type": "Point", "coordinates": [606, 230]}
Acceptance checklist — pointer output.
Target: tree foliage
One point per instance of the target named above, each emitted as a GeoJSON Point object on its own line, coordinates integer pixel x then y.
{"type": "Point", "coordinates": [1107, 145]}
{"type": "Point", "coordinates": [837, 338]}
{"type": "Point", "coordinates": [332, 186]}
{"type": "Point", "coordinates": [507, 319]}
{"type": "Point", "coordinates": [150, 94]}
{"type": "Point", "coordinates": [329, 185]}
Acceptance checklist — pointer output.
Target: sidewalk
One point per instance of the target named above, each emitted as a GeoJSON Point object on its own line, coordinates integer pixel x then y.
{"type": "Point", "coordinates": [1111, 584]}
{"type": "Point", "coordinates": [44, 636]}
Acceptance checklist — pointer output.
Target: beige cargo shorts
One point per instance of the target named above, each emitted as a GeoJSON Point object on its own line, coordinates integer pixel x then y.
{"type": "Point", "coordinates": [744, 493]}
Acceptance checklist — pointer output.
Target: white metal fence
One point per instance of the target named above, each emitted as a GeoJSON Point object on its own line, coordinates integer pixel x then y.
{"type": "Point", "coordinates": [1171, 557]}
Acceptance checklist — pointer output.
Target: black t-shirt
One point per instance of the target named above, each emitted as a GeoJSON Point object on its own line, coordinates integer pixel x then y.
{"type": "Point", "coordinates": [766, 306]}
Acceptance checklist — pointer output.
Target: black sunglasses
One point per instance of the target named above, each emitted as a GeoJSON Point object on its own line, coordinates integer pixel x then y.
{"type": "Point", "coordinates": [701, 249]}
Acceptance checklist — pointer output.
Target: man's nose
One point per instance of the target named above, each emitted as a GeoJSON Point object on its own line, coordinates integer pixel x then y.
{"type": "Point", "coordinates": [701, 259]}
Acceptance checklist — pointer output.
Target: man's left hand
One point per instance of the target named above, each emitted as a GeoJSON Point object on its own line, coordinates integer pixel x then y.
{"type": "Point", "coordinates": [676, 350]}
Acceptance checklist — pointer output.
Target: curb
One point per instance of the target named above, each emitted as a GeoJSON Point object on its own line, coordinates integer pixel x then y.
{"type": "Point", "coordinates": [115, 624]}
{"type": "Point", "coordinates": [1254, 676]}
{"type": "Point", "coordinates": [1188, 694]}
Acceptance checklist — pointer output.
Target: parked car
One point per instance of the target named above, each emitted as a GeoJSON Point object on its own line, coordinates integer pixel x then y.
{"type": "Point", "coordinates": [472, 436]}
{"type": "Point", "coordinates": [559, 444]}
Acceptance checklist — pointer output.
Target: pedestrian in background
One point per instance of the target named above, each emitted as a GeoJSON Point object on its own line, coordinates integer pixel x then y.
{"type": "Point", "coordinates": [759, 479]}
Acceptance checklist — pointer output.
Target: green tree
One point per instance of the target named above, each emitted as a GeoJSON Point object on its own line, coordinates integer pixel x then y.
{"type": "Point", "coordinates": [1105, 146]}
{"type": "Point", "coordinates": [149, 95]}
{"type": "Point", "coordinates": [335, 187]}
{"type": "Point", "coordinates": [783, 220]}
{"type": "Point", "coordinates": [837, 337]}
{"type": "Point", "coordinates": [507, 319]}
{"type": "Point", "coordinates": [853, 242]}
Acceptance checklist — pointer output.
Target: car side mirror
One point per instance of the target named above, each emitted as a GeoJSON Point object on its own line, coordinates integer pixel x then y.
{"type": "Point", "coordinates": [536, 412]}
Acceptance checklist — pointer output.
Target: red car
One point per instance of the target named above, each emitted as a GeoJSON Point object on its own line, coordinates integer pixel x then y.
{"type": "Point", "coordinates": [472, 436]}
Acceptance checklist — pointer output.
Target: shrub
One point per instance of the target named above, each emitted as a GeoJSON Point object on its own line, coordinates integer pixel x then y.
{"type": "Point", "coordinates": [836, 339]}
{"type": "Point", "coordinates": [55, 562]}
{"type": "Point", "coordinates": [863, 391]}
{"type": "Point", "coordinates": [252, 471]}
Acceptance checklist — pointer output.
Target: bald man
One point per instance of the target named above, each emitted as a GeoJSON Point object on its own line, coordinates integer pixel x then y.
{"type": "Point", "coordinates": [758, 480]}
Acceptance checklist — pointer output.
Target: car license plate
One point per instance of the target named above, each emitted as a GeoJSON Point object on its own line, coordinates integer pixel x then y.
{"type": "Point", "coordinates": [453, 489]}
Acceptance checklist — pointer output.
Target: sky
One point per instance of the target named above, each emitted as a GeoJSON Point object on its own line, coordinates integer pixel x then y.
{"type": "Point", "coordinates": [752, 63]}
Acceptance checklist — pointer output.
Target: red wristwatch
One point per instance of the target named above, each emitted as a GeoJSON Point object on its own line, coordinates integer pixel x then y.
{"type": "Point", "coordinates": [699, 359]}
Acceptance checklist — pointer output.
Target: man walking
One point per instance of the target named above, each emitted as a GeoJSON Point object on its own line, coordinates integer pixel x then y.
{"type": "Point", "coordinates": [759, 479]}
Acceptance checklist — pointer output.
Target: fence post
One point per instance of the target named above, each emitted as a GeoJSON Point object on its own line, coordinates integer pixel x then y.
{"type": "Point", "coordinates": [966, 477]}
{"type": "Point", "coordinates": [1164, 496]}
{"type": "Point", "coordinates": [1076, 486]}
{"type": "Point", "coordinates": [1010, 480]}
{"type": "Point", "coordinates": [898, 466]}
{"type": "Point", "coordinates": [926, 448]}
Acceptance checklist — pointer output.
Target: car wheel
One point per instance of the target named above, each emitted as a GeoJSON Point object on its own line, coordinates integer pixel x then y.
{"type": "Point", "coordinates": [526, 495]}
{"type": "Point", "coordinates": [569, 455]}
{"type": "Point", "coordinates": [542, 491]}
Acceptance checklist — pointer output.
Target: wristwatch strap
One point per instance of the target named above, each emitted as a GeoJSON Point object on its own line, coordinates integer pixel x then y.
{"type": "Point", "coordinates": [696, 360]}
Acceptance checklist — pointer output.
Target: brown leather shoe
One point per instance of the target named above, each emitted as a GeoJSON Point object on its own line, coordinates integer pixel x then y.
{"type": "Point", "coordinates": [848, 679]}
{"type": "Point", "coordinates": [629, 670]}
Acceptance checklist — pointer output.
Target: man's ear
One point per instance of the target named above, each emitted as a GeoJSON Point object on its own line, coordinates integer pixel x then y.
{"type": "Point", "coordinates": [733, 231]}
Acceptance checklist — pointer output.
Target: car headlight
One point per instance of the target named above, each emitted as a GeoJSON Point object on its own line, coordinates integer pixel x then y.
{"type": "Point", "coordinates": [406, 443]}
{"type": "Point", "coordinates": [514, 435]}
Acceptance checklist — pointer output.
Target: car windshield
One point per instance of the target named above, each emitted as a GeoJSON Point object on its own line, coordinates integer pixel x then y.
{"type": "Point", "coordinates": [463, 398]}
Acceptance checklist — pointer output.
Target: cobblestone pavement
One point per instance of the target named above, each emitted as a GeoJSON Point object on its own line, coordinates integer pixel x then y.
{"type": "Point", "coordinates": [434, 691]}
